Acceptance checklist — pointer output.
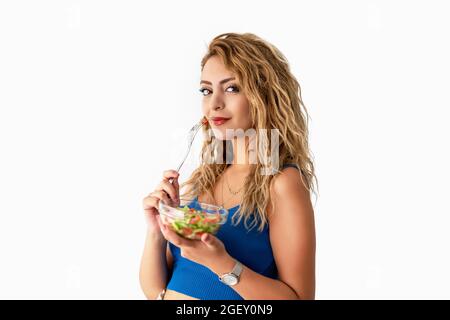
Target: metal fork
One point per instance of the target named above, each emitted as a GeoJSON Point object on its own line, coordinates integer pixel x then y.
{"type": "Point", "coordinates": [191, 136]}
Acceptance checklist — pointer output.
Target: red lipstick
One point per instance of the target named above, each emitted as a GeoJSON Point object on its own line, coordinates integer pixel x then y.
{"type": "Point", "coordinates": [219, 120]}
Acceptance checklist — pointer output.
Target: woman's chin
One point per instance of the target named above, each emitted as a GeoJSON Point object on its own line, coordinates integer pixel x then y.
{"type": "Point", "coordinates": [222, 134]}
{"type": "Point", "coordinates": [228, 133]}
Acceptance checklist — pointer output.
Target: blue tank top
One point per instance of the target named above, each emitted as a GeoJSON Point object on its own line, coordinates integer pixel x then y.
{"type": "Point", "coordinates": [249, 246]}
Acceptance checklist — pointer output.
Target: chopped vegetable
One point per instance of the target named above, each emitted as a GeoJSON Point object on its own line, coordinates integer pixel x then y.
{"type": "Point", "coordinates": [195, 223]}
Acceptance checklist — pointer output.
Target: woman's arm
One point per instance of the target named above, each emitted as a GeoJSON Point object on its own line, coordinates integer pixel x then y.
{"type": "Point", "coordinates": [292, 236]}
{"type": "Point", "coordinates": [156, 259]}
{"type": "Point", "coordinates": [156, 264]}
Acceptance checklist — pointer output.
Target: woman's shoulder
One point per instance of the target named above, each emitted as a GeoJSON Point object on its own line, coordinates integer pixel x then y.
{"type": "Point", "coordinates": [287, 187]}
{"type": "Point", "coordinates": [287, 181]}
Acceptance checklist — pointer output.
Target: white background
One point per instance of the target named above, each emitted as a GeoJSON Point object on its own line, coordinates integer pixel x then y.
{"type": "Point", "coordinates": [96, 98]}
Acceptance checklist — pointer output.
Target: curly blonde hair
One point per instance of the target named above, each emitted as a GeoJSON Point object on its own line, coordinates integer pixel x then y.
{"type": "Point", "coordinates": [275, 102]}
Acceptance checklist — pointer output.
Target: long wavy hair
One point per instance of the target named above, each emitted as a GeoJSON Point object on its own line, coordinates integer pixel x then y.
{"type": "Point", "coordinates": [275, 102]}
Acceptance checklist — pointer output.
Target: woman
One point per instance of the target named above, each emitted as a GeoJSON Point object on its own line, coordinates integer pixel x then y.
{"type": "Point", "coordinates": [246, 84]}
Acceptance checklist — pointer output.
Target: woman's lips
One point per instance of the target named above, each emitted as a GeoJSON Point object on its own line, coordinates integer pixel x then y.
{"type": "Point", "coordinates": [219, 121]}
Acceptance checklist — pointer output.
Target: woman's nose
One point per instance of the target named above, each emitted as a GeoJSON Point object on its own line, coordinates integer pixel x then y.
{"type": "Point", "coordinates": [217, 102]}
{"type": "Point", "coordinates": [218, 107]}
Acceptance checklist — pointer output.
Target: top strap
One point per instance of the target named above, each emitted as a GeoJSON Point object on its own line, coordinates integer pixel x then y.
{"type": "Point", "coordinates": [293, 165]}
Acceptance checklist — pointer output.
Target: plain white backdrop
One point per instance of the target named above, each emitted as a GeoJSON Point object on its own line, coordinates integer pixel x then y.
{"type": "Point", "coordinates": [96, 98]}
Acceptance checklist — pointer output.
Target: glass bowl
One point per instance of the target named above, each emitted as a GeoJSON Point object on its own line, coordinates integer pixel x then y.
{"type": "Point", "coordinates": [190, 218]}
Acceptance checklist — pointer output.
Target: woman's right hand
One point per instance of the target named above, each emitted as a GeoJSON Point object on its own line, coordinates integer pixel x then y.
{"type": "Point", "coordinates": [169, 192]}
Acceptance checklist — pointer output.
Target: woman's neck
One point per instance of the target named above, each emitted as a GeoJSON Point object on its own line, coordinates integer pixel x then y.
{"type": "Point", "coordinates": [241, 160]}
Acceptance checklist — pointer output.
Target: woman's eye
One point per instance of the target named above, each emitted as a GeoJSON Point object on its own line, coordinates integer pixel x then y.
{"type": "Point", "coordinates": [202, 90]}
{"type": "Point", "coordinates": [234, 87]}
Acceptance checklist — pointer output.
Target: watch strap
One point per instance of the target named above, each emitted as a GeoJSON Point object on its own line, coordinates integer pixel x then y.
{"type": "Point", "coordinates": [237, 269]}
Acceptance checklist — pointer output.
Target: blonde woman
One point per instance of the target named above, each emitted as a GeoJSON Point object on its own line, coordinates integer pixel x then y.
{"type": "Point", "coordinates": [266, 249]}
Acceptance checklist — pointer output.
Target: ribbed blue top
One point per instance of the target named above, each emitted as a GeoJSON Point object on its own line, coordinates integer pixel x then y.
{"type": "Point", "coordinates": [249, 246]}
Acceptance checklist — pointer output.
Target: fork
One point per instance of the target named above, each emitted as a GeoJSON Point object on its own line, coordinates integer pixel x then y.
{"type": "Point", "coordinates": [191, 135]}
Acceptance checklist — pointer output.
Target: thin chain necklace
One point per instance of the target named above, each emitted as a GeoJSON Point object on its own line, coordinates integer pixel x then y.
{"type": "Point", "coordinates": [232, 193]}
{"type": "Point", "coordinates": [229, 188]}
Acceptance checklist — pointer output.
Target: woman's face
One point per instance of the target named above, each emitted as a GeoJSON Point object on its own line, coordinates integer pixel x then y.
{"type": "Point", "coordinates": [223, 98]}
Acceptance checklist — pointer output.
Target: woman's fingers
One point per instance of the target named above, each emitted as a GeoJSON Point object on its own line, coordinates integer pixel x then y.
{"type": "Point", "coordinates": [166, 191]}
{"type": "Point", "coordinates": [175, 184]}
{"type": "Point", "coordinates": [150, 202]}
{"type": "Point", "coordinates": [167, 175]}
{"type": "Point", "coordinates": [161, 195]}
{"type": "Point", "coordinates": [169, 188]}
{"type": "Point", "coordinates": [170, 174]}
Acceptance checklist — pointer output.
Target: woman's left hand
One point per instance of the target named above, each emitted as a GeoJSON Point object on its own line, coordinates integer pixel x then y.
{"type": "Point", "coordinates": [209, 251]}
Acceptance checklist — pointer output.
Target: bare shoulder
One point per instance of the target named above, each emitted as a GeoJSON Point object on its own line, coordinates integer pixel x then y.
{"type": "Point", "coordinates": [287, 186]}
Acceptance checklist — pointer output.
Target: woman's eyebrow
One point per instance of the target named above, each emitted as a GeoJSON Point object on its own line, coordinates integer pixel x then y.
{"type": "Point", "coordinates": [220, 82]}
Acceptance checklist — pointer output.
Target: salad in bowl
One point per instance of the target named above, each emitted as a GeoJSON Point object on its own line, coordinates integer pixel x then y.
{"type": "Point", "coordinates": [190, 218]}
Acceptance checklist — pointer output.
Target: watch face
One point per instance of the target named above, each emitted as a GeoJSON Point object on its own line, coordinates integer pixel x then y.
{"type": "Point", "coordinates": [230, 279]}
